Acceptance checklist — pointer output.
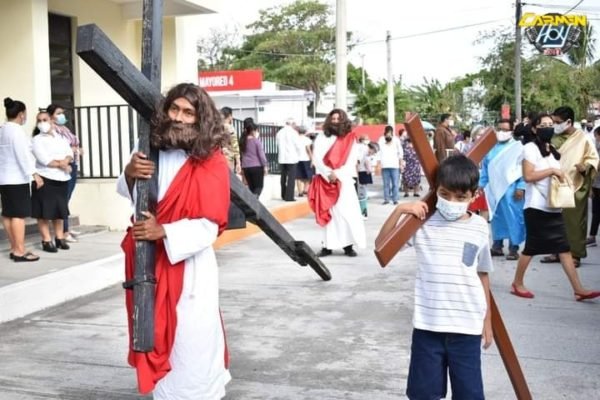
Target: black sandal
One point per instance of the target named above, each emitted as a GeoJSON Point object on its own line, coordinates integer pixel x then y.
{"type": "Point", "coordinates": [27, 257]}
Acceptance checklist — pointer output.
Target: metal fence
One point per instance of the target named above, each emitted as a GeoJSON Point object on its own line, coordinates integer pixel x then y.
{"type": "Point", "coordinates": [107, 135]}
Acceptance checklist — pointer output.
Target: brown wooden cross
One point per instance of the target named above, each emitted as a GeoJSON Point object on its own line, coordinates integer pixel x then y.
{"type": "Point", "coordinates": [388, 245]}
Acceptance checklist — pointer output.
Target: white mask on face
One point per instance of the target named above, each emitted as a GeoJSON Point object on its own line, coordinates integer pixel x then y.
{"type": "Point", "coordinates": [503, 136]}
{"type": "Point", "coordinates": [451, 210]}
{"type": "Point", "coordinates": [450, 122]}
{"type": "Point", "coordinates": [44, 126]}
{"type": "Point", "coordinates": [560, 128]}
{"type": "Point", "coordinates": [257, 134]}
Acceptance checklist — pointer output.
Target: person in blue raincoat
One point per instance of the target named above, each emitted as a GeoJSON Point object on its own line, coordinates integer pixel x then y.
{"type": "Point", "coordinates": [502, 181]}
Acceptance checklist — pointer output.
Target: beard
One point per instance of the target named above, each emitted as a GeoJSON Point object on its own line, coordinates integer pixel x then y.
{"type": "Point", "coordinates": [334, 129]}
{"type": "Point", "coordinates": [175, 135]}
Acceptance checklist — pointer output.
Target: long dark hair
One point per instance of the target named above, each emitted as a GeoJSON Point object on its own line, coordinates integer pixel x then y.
{"type": "Point", "coordinates": [249, 128]}
{"type": "Point", "coordinates": [340, 129]}
{"type": "Point", "coordinates": [201, 138]}
{"type": "Point", "coordinates": [542, 146]}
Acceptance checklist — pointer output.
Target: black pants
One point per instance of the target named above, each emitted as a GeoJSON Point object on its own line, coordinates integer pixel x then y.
{"type": "Point", "coordinates": [255, 177]}
{"type": "Point", "coordinates": [595, 211]}
{"type": "Point", "coordinates": [288, 181]}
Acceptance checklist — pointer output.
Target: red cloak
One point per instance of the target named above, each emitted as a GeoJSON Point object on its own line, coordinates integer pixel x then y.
{"type": "Point", "coordinates": [199, 190]}
{"type": "Point", "coordinates": [322, 194]}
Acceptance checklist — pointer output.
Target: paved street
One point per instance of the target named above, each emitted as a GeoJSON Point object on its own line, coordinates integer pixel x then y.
{"type": "Point", "coordinates": [295, 337]}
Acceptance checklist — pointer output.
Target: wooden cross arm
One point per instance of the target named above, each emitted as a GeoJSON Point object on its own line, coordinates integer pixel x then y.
{"type": "Point", "coordinates": [398, 230]}
{"type": "Point", "coordinates": [97, 50]}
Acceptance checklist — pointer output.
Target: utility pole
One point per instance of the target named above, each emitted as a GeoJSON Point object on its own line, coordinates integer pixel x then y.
{"type": "Point", "coordinates": [341, 56]}
{"type": "Point", "coordinates": [390, 81]}
{"type": "Point", "coordinates": [362, 68]}
{"type": "Point", "coordinates": [518, 110]}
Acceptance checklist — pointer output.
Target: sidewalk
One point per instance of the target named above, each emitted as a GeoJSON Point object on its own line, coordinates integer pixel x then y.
{"type": "Point", "coordinates": [293, 336]}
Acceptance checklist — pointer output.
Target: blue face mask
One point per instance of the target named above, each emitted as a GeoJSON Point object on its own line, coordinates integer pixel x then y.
{"type": "Point", "coordinates": [451, 210]}
{"type": "Point", "coordinates": [61, 119]}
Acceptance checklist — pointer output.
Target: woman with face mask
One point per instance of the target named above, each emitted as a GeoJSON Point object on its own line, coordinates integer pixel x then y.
{"type": "Point", "coordinates": [59, 120]}
{"type": "Point", "coordinates": [53, 157]}
{"type": "Point", "coordinates": [16, 171]}
{"type": "Point", "coordinates": [545, 226]}
{"type": "Point", "coordinates": [579, 161]}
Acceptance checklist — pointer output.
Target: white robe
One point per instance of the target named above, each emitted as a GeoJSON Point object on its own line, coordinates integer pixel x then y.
{"type": "Point", "coordinates": [346, 226]}
{"type": "Point", "coordinates": [197, 358]}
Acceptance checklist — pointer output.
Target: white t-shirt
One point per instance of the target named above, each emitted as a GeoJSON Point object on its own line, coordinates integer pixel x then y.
{"type": "Point", "coordinates": [390, 154]}
{"type": "Point", "coordinates": [304, 143]}
{"type": "Point", "coordinates": [536, 192]}
{"type": "Point", "coordinates": [449, 295]}
{"type": "Point", "coordinates": [288, 145]}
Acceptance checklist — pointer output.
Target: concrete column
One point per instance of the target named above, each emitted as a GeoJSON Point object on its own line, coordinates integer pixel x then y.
{"type": "Point", "coordinates": [25, 69]}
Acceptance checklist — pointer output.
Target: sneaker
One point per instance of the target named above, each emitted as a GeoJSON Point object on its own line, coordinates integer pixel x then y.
{"type": "Point", "coordinates": [513, 255]}
{"type": "Point", "coordinates": [71, 239]}
{"type": "Point", "coordinates": [386, 202]}
{"type": "Point", "coordinates": [365, 218]}
{"type": "Point", "coordinates": [74, 232]}
{"type": "Point", "coordinates": [591, 242]}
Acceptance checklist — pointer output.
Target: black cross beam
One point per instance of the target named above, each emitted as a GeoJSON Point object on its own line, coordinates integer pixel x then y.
{"type": "Point", "coordinates": [97, 50]}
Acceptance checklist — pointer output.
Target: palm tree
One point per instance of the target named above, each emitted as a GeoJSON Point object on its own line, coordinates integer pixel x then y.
{"type": "Point", "coordinates": [584, 53]}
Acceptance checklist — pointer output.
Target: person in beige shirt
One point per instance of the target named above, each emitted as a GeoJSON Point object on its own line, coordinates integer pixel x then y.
{"type": "Point", "coordinates": [443, 138]}
{"type": "Point", "coordinates": [232, 150]}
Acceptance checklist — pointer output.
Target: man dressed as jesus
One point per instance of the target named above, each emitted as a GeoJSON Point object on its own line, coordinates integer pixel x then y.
{"type": "Point", "coordinates": [332, 195]}
{"type": "Point", "coordinates": [189, 359]}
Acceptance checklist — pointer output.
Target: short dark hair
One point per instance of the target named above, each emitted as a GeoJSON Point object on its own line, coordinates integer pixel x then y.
{"type": "Point", "coordinates": [388, 128]}
{"type": "Point", "coordinates": [458, 173]}
{"type": "Point", "coordinates": [506, 121]}
{"type": "Point", "coordinates": [597, 130]}
{"type": "Point", "coordinates": [227, 112]}
{"type": "Point", "coordinates": [565, 113]}
{"type": "Point", "coordinates": [13, 107]}
{"type": "Point", "coordinates": [444, 117]}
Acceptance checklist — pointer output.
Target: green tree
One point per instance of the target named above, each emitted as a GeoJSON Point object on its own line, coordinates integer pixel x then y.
{"type": "Point", "coordinates": [583, 54]}
{"type": "Point", "coordinates": [294, 45]}
{"type": "Point", "coordinates": [371, 105]}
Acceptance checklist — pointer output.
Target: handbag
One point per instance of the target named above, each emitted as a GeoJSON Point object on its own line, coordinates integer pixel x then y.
{"type": "Point", "coordinates": [561, 194]}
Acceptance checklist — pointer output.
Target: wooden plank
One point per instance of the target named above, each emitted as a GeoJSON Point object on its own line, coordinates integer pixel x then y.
{"type": "Point", "coordinates": [387, 247]}
{"type": "Point", "coordinates": [147, 190]}
{"type": "Point", "coordinates": [507, 353]}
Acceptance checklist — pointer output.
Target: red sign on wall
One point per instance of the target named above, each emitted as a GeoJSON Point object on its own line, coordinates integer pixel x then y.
{"type": "Point", "coordinates": [213, 81]}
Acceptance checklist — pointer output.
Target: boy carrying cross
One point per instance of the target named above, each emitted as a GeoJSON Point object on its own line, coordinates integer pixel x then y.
{"type": "Point", "coordinates": [452, 290]}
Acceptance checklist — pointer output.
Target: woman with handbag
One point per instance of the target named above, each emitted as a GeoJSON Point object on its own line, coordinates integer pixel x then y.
{"type": "Point", "coordinates": [544, 224]}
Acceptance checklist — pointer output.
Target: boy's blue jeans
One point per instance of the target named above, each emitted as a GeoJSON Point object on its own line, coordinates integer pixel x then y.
{"type": "Point", "coordinates": [434, 356]}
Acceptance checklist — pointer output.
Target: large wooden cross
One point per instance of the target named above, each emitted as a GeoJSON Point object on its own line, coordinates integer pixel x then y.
{"type": "Point", "coordinates": [387, 246]}
{"type": "Point", "coordinates": [142, 91]}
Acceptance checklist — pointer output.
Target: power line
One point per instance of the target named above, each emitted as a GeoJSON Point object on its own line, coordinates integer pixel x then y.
{"type": "Point", "coordinates": [574, 7]}
{"type": "Point", "coordinates": [454, 28]}
{"type": "Point", "coordinates": [364, 43]}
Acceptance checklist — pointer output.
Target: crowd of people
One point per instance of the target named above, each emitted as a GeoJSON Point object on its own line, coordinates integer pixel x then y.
{"type": "Point", "coordinates": [37, 178]}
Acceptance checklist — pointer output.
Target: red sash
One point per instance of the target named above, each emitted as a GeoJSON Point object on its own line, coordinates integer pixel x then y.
{"type": "Point", "coordinates": [322, 194]}
{"type": "Point", "coordinates": [199, 190]}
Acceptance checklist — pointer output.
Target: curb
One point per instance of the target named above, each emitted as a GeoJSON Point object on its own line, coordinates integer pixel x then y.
{"type": "Point", "coordinates": [23, 298]}
{"type": "Point", "coordinates": [283, 213]}
{"type": "Point", "coordinates": [26, 297]}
